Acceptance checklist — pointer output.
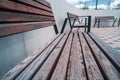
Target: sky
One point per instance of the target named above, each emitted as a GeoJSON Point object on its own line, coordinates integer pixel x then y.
{"type": "Point", "coordinates": [91, 3]}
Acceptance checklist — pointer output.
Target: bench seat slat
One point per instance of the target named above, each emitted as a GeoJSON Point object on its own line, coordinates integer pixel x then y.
{"type": "Point", "coordinates": [93, 71]}
{"type": "Point", "coordinates": [45, 72]}
{"type": "Point", "coordinates": [61, 68]}
{"type": "Point", "coordinates": [75, 30]}
{"type": "Point", "coordinates": [68, 71]}
{"type": "Point", "coordinates": [77, 69]}
{"type": "Point", "coordinates": [110, 52]}
{"type": "Point", "coordinates": [29, 72]}
{"type": "Point", "coordinates": [28, 61]}
{"type": "Point", "coordinates": [109, 71]}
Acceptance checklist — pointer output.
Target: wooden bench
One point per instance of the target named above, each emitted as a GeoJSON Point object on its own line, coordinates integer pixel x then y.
{"type": "Point", "coordinates": [73, 18]}
{"type": "Point", "coordinates": [70, 56]}
{"type": "Point", "coordinates": [99, 19]}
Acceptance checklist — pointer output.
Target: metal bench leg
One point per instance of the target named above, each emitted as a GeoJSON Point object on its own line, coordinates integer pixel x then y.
{"type": "Point", "coordinates": [114, 22]}
{"type": "Point", "coordinates": [95, 23]}
{"type": "Point", "coordinates": [85, 24]}
{"type": "Point", "coordinates": [98, 23]}
{"type": "Point", "coordinates": [119, 22]}
{"type": "Point", "coordinates": [89, 24]}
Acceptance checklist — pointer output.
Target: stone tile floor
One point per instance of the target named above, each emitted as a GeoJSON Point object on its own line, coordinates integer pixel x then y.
{"type": "Point", "coordinates": [110, 35]}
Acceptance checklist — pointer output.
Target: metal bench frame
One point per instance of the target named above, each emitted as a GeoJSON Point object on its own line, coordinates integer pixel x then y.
{"type": "Point", "coordinates": [99, 19]}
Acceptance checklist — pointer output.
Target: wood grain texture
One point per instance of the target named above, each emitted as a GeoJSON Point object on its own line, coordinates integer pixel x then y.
{"type": "Point", "coordinates": [81, 30]}
{"type": "Point", "coordinates": [108, 69]}
{"type": "Point", "coordinates": [43, 2]}
{"type": "Point", "coordinates": [93, 71]}
{"type": "Point", "coordinates": [10, 5]}
{"type": "Point", "coordinates": [61, 68]}
{"type": "Point", "coordinates": [17, 16]}
{"type": "Point", "coordinates": [35, 4]}
{"type": "Point", "coordinates": [110, 52]}
{"type": "Point", "coordinates": [28, 63]}
{"type": "Point", "coordinates": [68, 57]}
{"type": "Point", "coordinates": [72, 15]}
{"type": "Point", "coordinates": [6, 16]}
{"type": "Point", "coordinates": [29, 72]}
{"type": "Point", "coordinates": [75, 30]}
{"type": "Point", "coordinates": [10, 29]}
{"type": "Point", "coordinates": [77, 70]}
{"type": "Point", "coordinates": [68, 71]}
{"type": "Point", "coordinates": [104, 18]}
{"type": "Point", "coordinates": [47, 69]}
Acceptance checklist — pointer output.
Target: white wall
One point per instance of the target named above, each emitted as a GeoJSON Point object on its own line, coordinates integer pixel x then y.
{"type": "Point", "coordinates": [60, 8]}
{"type": "Point", "coordinates": [14, 48]}
{"type": "Point", "coordinates": [37, 39]}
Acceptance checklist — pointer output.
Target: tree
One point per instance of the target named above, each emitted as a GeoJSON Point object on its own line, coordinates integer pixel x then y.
{"type": "Point", "coordinates": [118, 6]}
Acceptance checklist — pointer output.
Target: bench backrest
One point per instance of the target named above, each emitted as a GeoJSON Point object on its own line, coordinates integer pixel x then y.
{"type": "Point", "coordinates": [72, 18]}
{"type": "Point", "coordinates": [104, 17]}
{"type": "Point", "coordinates": [18, 16]}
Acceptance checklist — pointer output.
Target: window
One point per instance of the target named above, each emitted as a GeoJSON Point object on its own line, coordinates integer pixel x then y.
{"type": "Point", "coordinates": [95, 4]}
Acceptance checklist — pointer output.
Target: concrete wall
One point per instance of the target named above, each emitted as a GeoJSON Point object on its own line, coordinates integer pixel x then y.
{"type": "Point", "coordinates": [60, 8]}
{"type": "Point", "coordinates": [14, 48]}
{"type": "Point", "coordinates": [37, 39]}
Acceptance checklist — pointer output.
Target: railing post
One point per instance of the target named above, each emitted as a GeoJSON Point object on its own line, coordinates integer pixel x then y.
{"type": "Point", "coordinates": [89, 23]}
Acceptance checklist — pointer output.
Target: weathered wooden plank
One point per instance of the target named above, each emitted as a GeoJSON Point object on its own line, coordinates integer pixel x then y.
{"type": "Point", "coordinates": [72, 15]}
{"type": "Point", "coordinates": [109, 71]}
{"type": "Point", "coordinates": [77, 69]}
{"type": "Point", "coordinates": [10, 5]}
{"type": "Point", "coordinates": [29, 72]}
{"type": "Point", "coordinates": [93, 71]}
{"type": "Point", "coordinates": [9, 29]}
{"type": "Point", "coordinates": [26, 62]}
{"type": "Point", "coordinates": [110, 52]}
{"type": "Point", "coordinates": [35, 4]}
{"type": "Point", "coordinates": [81, 30]}
{"type": "Point", "coordinates": [45, 72]}
{"type": "Point", "coordinates": [22, 17]}
{"type": "Point", "coordinates": [61, 68]}
{"type": "Point", "coordinates": [43, 2]}
{"type": "Point", "coordinates": [68, 71]}
{"type": "Point", "coordinates": [103, 18]}
{"type": "Point", "coordinates": [75, 30]}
